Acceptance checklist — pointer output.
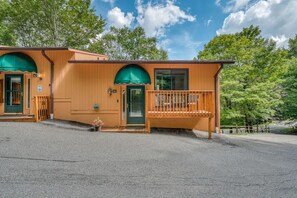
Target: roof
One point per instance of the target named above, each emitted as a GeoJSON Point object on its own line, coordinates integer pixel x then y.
{"type": "Point", "coordinates": [2, 48]}
{"type": "Point", "coordinates": [115, 61]}
{"type": "Point", "coordinates": [153, 61]}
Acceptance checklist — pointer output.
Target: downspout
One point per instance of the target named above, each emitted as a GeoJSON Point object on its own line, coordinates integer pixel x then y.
{"type": "Point", "coordinates": [217, 98]}
{"type": "Point", "coordinates": [51, 84]}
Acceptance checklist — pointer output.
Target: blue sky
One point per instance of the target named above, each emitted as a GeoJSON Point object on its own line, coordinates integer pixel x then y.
{"type": "Point", "coordinates": [182, 27]}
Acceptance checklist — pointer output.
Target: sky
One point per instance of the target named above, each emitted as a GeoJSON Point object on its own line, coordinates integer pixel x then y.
{"type": "Point", "coordinates": [183, 27]}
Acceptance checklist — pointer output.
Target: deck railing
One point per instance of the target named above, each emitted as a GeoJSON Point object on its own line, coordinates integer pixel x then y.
{"type": "Point", "coordinates": [42, 107]}
{"type": "Point", "coordinates": [179, 103]}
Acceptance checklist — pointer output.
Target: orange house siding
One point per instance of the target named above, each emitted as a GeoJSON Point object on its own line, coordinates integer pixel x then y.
{"type": "Point", "coordinates": [90, 82]}
{"type": "Point", "coordinates": [78, 86]}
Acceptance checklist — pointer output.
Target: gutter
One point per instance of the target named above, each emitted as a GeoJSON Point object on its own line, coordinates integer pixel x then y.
{"type": "Point", "coordinates": [51, 84]}
{"type": "Point", "coordinates": [217, 98]}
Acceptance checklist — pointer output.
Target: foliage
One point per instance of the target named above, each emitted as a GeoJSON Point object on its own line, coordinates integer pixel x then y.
{"type": "Point", "coordinates": [126, 44]}
{"type": "Point", "coordinates": [54, 23]}
{"type": "Point", "coordinates": [250, 91]}
{"type": "Point", "coordinates": [293, 47]}
{"type": "Point", "coordinates": [6, 35]}
{"type": "Point", "coordinates": [289, 108]}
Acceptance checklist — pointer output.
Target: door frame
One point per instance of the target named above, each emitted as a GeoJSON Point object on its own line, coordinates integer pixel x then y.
{"type": "Point", "coordinates": [22, 94]}
{"type": "Point", "coordinates": [143, 118]}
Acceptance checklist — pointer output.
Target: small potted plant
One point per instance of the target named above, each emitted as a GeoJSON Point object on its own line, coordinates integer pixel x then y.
{"type": "Point", "coordinates": [97, 124]}
{"type": "Point", "coordinates": [96, 107]}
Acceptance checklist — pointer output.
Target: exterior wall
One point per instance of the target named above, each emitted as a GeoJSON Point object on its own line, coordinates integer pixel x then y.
{"type": "Point", "coordinates": [79, 86]}
{"type": "Point", "coordinates": [80, 55]}
{"type": "Point", "coordinates": [43, 67]}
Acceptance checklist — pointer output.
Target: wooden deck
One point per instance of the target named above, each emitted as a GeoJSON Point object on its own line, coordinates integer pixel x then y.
{"type": "Point", "coordinates": [178, 104]}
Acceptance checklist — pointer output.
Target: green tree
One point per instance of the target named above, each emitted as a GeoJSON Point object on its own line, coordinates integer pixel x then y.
{"type": "Point", "coordinates": [54, 23]}
{"type": "Point", "coordinates": [250, 91]}
{"type": "Point", "coordinates": [6, 35]}
{"type": "Point", "coordinates": [289, 109]}
{"type": "Point", "coordinates": [293, 47]}
{"type": "Point", "coordinates": [126, 44]}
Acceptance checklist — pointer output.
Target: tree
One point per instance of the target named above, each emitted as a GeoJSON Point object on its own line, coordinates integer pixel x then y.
{"type": "Point", "coordinates": [54, 23]}
{"type": "Point", "coordinates": [293, 47]}
{"type": "Point", "coordinates": [250, 91]}
{"type": "Point", "coordinates": [6, 35]}
{"type": "Point", "coordinates": [289, 107]}
{"type": "Point", "coordinates": [126, 44]}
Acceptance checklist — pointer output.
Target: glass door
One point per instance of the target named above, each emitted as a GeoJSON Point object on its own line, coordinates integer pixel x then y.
{"type": "Point", "coordinates": [13, 93]}
{"type": "Point", "coordinates": [135, 105]}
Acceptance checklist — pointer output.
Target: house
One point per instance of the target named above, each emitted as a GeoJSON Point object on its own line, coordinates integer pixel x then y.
{"type": "Point", "coordinates": [69, 84]}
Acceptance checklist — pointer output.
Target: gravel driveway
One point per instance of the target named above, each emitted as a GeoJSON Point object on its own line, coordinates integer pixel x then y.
{"type": "Point", "coordinates": [44, 161]}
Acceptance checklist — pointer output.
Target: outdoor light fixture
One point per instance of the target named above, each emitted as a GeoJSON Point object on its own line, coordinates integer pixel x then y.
{"type": "Point", "coordinates": [38, 75]}
{"type": "Point", "coordinates": [110, 91]}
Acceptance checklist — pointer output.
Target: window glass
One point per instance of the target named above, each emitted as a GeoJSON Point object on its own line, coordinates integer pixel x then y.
{"type": "Point", "coordinates": [171, 79]}
{"type": "Point", "coordinates": [28, 93]}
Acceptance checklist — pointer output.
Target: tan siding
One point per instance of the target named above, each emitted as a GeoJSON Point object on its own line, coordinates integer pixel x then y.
{"type": "Point", "coordinates": [90, 83]}
{"type": "Point", "coordinates": [43, 67]}
{"type": "Point", "coordinates": [87, 56]}
{"type": "Point", "coordinates": [77, 87]}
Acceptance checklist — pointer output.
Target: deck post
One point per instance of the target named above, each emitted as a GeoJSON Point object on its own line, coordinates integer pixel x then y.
{"type": "Point", "coordinates": [209, 128]}
{"type": "Point", "coordinates": [148, 125]}
{"type": "Point", "coordinates": [36, 109]}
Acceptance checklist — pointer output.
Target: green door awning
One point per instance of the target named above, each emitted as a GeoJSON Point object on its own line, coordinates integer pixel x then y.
{"type": "Point", "coordinates": [132, 74]}
{"type": "Point", "coordinates": [17, 62]}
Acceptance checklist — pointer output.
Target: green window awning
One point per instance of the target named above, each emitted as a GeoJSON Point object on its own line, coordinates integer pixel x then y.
{"type": "Point", "coordinates": [17, 62]}
{"type": "Point", "coordinates": [132, 74]}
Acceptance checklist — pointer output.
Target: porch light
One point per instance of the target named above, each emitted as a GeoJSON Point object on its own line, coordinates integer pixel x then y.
{"type": "Point", "coordinates": [110, 91]}
{"type": "Point", "coordinates": [38, 75]}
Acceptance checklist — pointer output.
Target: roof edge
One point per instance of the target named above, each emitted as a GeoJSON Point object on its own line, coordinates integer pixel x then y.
{"type": "Point", "coordinates": [152, 61]}
{"type": "Point", "coordinates": [33, 48]}
{"type": "Point", "coordinates": [7, 48]}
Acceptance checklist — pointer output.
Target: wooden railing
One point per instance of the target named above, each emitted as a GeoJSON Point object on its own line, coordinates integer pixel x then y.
{"type": "Point", "coordinates": [179, 103]}
{"type": "Point", "coordinates": [42, 107]}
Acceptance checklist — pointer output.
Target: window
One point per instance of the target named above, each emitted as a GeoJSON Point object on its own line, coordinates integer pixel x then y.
{"type": "Point", "coordinates": [28, 93]}
{"type": "Point", "coordinates": [171, 79]}
{"type": "Point", "coordinates": [1, 91]}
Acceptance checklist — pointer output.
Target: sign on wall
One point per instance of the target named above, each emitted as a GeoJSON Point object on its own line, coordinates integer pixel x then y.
{"type": "Point", "coordinates": [39, 88]}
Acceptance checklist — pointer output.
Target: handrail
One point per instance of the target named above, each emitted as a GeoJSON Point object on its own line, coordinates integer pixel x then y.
{"type": "Point", "coordinates": [179, 103]}
{"type": "Point", "coordinates": [42, 107]}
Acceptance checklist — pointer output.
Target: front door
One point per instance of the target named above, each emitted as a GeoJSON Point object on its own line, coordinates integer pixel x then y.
{"type": "Point", "coordinates": [13, 93]}
{"type": "Point", "coordinates": [135, 105]}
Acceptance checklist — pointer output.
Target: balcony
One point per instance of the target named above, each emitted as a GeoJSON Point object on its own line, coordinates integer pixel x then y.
{"type": "Point", "coordinates": [179, 104]}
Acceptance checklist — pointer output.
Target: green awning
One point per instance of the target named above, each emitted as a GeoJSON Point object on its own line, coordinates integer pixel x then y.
{"type": "Point", "coordinates": [17, 62]}
{"type": "Point", "coordinates": [132, 74]}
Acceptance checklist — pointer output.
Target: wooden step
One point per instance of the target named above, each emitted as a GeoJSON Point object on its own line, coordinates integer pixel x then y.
{"type": "Point", "coordinates": [17, 119]}
{"type": "Point", "coordinates": [125, 130]}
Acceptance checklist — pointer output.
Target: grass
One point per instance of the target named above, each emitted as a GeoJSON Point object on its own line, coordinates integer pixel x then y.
{"type": "Point", "coordinates": [289, 131]}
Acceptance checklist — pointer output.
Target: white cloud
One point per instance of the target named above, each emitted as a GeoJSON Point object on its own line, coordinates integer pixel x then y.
{"type": "Point", "coordinates": [232, 5]}
{"type": "Point", "coordinates": [276, 18]}
{"type": "Point", "coordinates": [181, 46]}
{"type": "Point", "coordinates": [281, 41]}
{"type": "Point", "coordinates": [118, 19]}
{"type": "Point", "coordinates": [208, 22]}
{"type": "Point", "coordinates": [111, 2]}
{"type": "Point", "coordinates": [155, 18]}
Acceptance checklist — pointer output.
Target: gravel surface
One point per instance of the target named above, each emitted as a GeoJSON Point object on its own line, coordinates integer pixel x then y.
{"type": "Point", "coordinates": [38, 160]}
